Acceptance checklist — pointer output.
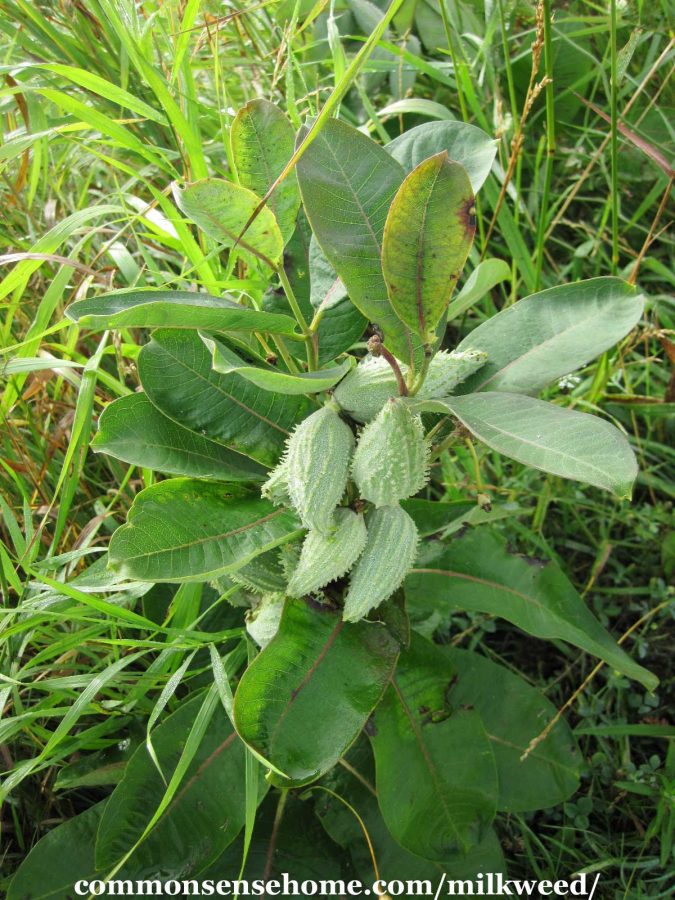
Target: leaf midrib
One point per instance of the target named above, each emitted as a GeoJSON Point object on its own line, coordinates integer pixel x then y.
{"type": "Point", "coordinates": [428, 760]}
{"type": "Point", "coordinates": [500, 430]}
{"type": "Point", "coordinates": [198, 541]}
{"type": "Point", "coordinates": [572, 327]}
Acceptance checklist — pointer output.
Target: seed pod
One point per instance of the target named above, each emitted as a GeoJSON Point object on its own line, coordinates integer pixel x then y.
{"type": "Point", "coordinates": [262, 622]}
{"type": "Point", "coordinates": [263, 574]}
{"type": "Point", "coordinates": [366, 389]}
{"type": "Point", "coordinates": [389, 553]}
{"type": "Point", "coordinates": [447, 370]}
{"type": "Point", "coordinates": [276, 486]}
{"type": "Point", "coordinates": [368, 386]}
{"type": "Point", "coordinates": [392, 456]}
{"type": "Point", "coordinates": [325, 557]}
{"type": "Point", "coordinates": [317, 462]}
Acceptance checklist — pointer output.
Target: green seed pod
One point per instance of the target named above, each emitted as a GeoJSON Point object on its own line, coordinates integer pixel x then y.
{"type": "Point", "coordinates": [389, 554]}
{"type": "Point", "coordinates": [263, 574]}
{"type": "Point", "coordinates": [325, 557]}
{"type": "Point", "coordinates": [317, 461]}
{"type": "Point", "coordinates": [368, 386]}
{"type": "Point", "coordinates": [276, 486]}
{"type": "Point", "coordinates": [262, 622]}
{"type": "Point", "coordinates": [447, 370]}
{"type": "Point", "coordinates": [366, 389]}
{"type": "Point", "coordinates": [392, 457]}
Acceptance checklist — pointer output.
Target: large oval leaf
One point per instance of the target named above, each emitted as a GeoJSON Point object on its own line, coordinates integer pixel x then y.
{"type": "Point", "coordinates": [176, 374]}
{"type": "Point", "coordinates": [226, 361]}
{"type": "Point", "coordinates": [427, 238]}
{"type": "Point", "coordinates": [347, 182]}
{"type": "Point", "coordinates": [513, 713]}
{"type": "Point", "coordinates": [552, 333]}
{"type": "Point", "coordinates": [392, 860]}
{"type": "Point", "coordinates": [66, 853]}
{"type": "Point", "coordinates": [206, 813]}
{"type": "Point", "coordinates": [223, 209]}
{"type": "Point", "coordinates": [188, 530]}
{"type": "Point", "coordinates": [561, 441]}
{"type": "Point", "coordinates": [469, 146]}
{"type": "Point", "coordinates": [133, 430]}
{"type": "Point", "coordinates": [319, 676]}
{"type": "Point", "coordinates": [476, 572]}
{"type": "Point", "coordinates": [262, 142]}
{"type": "Point", "coordinates": [174, 309]}
{"type": "Point", "coordinates": [436, 774]}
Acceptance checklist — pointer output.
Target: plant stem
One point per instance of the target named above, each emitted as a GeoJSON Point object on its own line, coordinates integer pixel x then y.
{"type": "Point", "coordinates": [275, 833]}
{"type": "Point", "coordinates": [419, 380]}
{"type": "Point", "coordinates": [292, 300]}
{"type": "Point", "coordinates": [550, 145]}
{"type": "Point", "coordinates": [377, 348]}
{"type": "Point", "coordinates": [453, 57]}
{"type": "Point", "coordinates": [310, 337]}
{"type": "Point", "coordinates": [614, 139]}
{"type": "Point", "coordinates": [444, 445]}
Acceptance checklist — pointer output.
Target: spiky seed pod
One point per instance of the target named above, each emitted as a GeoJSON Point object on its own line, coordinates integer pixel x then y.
{"type": "Point", "coordinates": [388, 556]}
{"type": "Point", "coordinates": [263, 574]}
{"type": "Point", "coordinates": [447, 370]}
{"type": "Point", "coordinates": [366, 389]}
{"type": "Point", "coordinates": [325, 557]}
{"type": "Point", "coordinates": [317, 461]}
{"type": "Point", "coordinates": [276, 486]}
{"type": "Point", "coordinates": [392, 456]}
{"type": "Point", "coordinates": [262, 622]}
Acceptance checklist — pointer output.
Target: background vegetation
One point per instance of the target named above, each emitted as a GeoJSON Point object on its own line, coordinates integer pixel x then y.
{"type": "Point", "coordinates": [103, 104]}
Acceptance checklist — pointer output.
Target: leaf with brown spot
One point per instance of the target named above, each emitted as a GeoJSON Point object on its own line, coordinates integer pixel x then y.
{"type": "Point", "coordinates": [427, 238]}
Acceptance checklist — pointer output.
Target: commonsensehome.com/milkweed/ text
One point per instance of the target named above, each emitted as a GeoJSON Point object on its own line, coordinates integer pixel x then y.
{"type": "Point", "coordinates": [490, 884]}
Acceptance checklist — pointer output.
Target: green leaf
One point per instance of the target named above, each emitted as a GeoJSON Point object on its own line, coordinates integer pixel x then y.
{"type": "Point", "coordinates": [347, 182]}
{"type": "Point", "coordinates": [174, 309]}
{"type": "Point", "coordinates": [513, 713]}
{"type": "Point", "coordinates": [176, 374]}
{"type": "Point", "coordinates": [341, 326]}
{"type": "Point", "coordinates": [327, 290]}
{"type": "Point", "coordinates": [430, 516]}
{"type": "Point", "coordinates": [133, 430]}
{"type": "Point", "coordinates": [222, 210]}
{"type": "Point", "coordinates": [427, 238]}
{"type": "Point", "coordinates": [552, 333]}
{"type": "Point", "coordinates": [476, 573]}
{"type": "Point", "coordinates": [263, 141]}
{"type": "Point", "coordinates": [188, 530]}
{"type": "Point", "coordinates": [206, 813]}
{"type": "Point", "coordinates": [226, 361]}
{"type": "Point", "coordinates": [318, 677]}
{"type": "Point", "coordinates": [465, 144]}
{"type": "Point", "coordinates": [561, 441]}
{"type": "Point", "coordinates": [392, 860]}
{"type": "Point", "coordinates": [484, 277]}
{"type": "Point", "coordinates": [436, 775]}
{"type": "Point", "coordinates": [302, 848]}
{"type": "Point", "coordinates": [66, 853]}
